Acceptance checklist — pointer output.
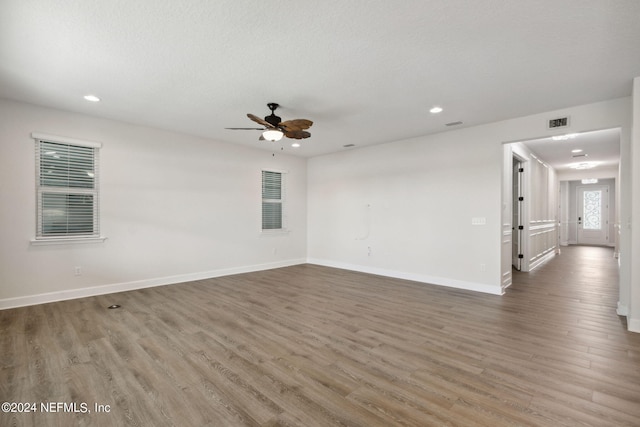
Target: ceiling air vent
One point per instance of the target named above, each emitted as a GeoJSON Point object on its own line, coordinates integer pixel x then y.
{"type": "Point", "coordinates": [453, 123]}
{"type": "Point", "coordinates": [560, 122]}
{"type": "Point", "coordinates": [349, 145]}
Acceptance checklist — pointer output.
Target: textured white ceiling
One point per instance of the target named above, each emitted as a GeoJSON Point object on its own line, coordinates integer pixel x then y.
{"type": "Point", "coordinates": [365, 72]}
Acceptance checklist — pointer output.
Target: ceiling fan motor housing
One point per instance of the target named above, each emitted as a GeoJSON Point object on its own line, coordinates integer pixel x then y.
{"type": "Point", "coordinates": [273, 120]}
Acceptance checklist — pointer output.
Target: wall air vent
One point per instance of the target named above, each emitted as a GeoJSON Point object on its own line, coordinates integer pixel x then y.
{"type": "Point", "coordinates": [349, 145]}
{"type": "Point", "coordinates": [579, 155]}
{"type": "Point", "coordinates": [560, 122]}
{"type": "Point", "coordinates": [453, 123]}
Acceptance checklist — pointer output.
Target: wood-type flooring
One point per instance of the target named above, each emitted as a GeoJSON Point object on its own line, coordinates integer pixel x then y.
{"type": "Point", "coordinates": [317, 346]}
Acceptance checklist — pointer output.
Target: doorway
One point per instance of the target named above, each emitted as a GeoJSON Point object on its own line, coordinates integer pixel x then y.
{"type": "Point", "coordinates": [588, 155]}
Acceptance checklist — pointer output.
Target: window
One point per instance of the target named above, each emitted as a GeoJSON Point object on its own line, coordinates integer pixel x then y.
{"type": "Point", "coordinates": [592, 208]}
{"type": "Point", "coordinates": [66, 188]}
{"type": "Point", "coordinates": [272, 200]}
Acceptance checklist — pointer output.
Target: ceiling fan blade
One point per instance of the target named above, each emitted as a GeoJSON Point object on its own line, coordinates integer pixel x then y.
{"type": "Point", "coordinates": [297, 134]}
{"type": "Point", "coordinates": [245, 128]}
{"type": "Point", "coordinates": [260, 121]}
{"type": "Point", "coordinates": [296, 124]}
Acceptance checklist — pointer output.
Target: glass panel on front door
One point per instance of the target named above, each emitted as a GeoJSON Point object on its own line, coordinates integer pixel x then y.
{"type": "Point", "coordinates": [592, 210]}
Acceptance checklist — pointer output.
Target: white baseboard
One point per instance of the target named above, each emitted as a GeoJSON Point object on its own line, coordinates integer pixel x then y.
{"type": "Point", "coordinates": [633, 325]}
{"type": "Point", "coordinates": [622, 310]}
{"type": "Point", "coordinates": [440, 281]}
{"type": "Point", "coordinates": [139, 284]}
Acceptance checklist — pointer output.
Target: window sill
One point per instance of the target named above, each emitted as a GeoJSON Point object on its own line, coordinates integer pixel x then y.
{"type": "Point", "coordinates": [270, 233]}
{"type": "Point", "coordinates": [67, 240]}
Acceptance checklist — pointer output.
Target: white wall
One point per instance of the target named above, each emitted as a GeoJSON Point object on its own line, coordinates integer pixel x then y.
{"type": "Point", "coordinates": [405, 209]}
{"type": "Point", "coordinates": [173, 208]}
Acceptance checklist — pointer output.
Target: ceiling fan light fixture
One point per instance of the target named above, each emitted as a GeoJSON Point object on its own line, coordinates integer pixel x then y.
{"type": "Point", "coordinates": [272, 135]}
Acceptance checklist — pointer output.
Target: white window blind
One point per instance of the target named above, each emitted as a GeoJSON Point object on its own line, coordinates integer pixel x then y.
{"type": "Point", "coordinates": [272, 200]}
{"type": "Point", "coordinates": [67, 189]}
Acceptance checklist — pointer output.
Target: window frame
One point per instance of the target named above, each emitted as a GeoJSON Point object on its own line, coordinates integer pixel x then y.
{"type": "Point", "coordinates": [93, 191]}
{"type": "Point", "coordinates": [282, 201]}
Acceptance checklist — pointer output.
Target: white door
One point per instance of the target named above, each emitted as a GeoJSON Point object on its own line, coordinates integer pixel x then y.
{"type": "Point", "coordinates": [593, 221]}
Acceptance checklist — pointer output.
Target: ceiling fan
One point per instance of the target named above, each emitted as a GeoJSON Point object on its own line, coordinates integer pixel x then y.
{"type": "Point", "coordinates": [274, 128]}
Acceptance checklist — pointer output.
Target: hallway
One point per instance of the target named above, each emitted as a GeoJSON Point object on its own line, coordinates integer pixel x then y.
{"type": "Point", "coordinates": [592, 361]}
{"type": "Point", "coordinates": [582, 281]}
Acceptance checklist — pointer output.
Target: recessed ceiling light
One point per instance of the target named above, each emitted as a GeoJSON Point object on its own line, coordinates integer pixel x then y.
{"type": "Point", "coordinates": [564, 137]}
{"type": "Point", "coordinates": [583, 165]}
{"type": "Point", "coordinates": [92, 98]}
{"type": "Point", "coordinates": [577, 150]}
{"type": "Point", "coordinates": [436, 110]}
{"type": "Point", "coordinates": [295, 144]}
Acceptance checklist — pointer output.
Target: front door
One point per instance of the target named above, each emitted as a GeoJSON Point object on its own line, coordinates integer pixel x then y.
{"type": "Point", "coordinates": [593, 221]}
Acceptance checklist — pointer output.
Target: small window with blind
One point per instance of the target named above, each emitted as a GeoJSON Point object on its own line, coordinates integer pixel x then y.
{"type": "Point", "coordinates": [66, 189]}
{"type": "Point", "coordinates": [273, 201]}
